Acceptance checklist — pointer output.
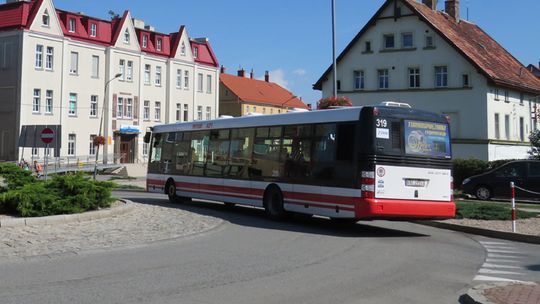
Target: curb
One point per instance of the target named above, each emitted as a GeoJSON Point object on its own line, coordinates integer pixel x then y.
{"type": "Point", "coordinates": [475, 295]}
{"type": "Point", "coordinates": [67, 218]}
{"type": "Point", "coordinates": [510, 236]}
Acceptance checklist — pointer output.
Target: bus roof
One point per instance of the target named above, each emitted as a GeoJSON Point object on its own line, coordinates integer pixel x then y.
{"type": "Point", "coordinates": [290, 118]}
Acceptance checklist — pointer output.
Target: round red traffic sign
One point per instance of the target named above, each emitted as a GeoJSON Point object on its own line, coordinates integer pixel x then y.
{"type": "Point", "coordinates": [47, 135]}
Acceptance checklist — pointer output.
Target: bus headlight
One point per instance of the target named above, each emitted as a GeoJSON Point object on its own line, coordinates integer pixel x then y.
{"type": "Point", "coordinates": [466, 181]}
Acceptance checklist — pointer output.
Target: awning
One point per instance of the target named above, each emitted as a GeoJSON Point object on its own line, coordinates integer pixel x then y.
{"type": "Point", "coordinates": [129, 129]}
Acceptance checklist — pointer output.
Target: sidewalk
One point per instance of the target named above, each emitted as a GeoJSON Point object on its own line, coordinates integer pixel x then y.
{"type": "Point", "coordinates": [503, 294]}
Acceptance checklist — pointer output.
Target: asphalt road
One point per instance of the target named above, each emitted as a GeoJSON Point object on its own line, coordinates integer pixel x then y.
{"type": "Point", "coordinates": [250, 259]}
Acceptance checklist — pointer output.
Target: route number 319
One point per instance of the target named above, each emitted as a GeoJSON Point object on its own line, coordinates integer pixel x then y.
{"type": "Point", "coordinates": [381, 123]}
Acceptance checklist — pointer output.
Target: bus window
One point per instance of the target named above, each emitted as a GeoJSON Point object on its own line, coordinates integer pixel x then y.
{"type": "Point", "coordinates": [266, 153]}
{"type": "Point", "coordinates": [167, 152]}
{"type": "Point", "coordinates": [154, 165]}
{"type": "Point", "coordinates": [218, 153]}
{"type": "Point", "coordinates": [181, 149]}
{"type": "Point", "coordinates": [296, 151]}
{"type": "Point", "coordinates": [324, 152]}
{"type": "Point", "coordinates": [199, 148]}
{"type": "Point", "coordinates": [241, 146]}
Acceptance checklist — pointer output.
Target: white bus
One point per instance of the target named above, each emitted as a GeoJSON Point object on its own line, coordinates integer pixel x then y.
{"type": "Point", "coordinates": [354, 163]}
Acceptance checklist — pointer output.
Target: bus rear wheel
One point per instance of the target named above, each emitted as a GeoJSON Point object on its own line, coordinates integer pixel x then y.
{"type": "Point", "coordinates": [171, 193]}
{"type": "Point", "coordinates": [273, 204]}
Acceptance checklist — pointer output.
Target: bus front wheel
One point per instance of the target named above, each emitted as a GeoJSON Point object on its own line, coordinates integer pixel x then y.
{"type": "Point", "coordinates": [171, 193]}
{"type": "Point", "coordinates": [273, 203]}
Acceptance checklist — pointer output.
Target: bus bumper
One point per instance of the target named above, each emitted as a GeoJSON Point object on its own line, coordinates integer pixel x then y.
{"type": "Point", "coordinates": [373, 208]}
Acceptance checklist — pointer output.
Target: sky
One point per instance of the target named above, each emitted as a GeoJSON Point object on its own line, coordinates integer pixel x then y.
{"type": "Point", "coordinates": [293, 38]}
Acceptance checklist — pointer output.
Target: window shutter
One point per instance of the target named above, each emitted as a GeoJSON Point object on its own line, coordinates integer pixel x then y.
{"type": "Point", "coordinates": [136, 109]}
{"type": "Point", "coordinates": [115, 100]}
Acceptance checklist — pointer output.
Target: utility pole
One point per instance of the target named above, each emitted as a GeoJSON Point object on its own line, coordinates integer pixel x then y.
{"type": "Point", "coordinates": [334, 68]}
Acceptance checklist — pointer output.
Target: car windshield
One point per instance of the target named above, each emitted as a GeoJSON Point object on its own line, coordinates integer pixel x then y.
{"type": "Point", "coordinates": [511, 170]}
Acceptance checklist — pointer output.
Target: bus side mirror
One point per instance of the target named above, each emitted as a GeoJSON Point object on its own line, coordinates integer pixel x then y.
{"type": "Point", "coordinates": [147, 137]}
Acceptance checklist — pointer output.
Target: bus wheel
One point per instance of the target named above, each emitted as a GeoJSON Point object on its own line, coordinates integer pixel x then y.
{"type": "Point", "coordinates": [171, 192]}
{"type": "Point", "coordinates": [273, 203]}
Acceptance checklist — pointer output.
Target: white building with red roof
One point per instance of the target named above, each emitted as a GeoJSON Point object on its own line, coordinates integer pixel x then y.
{"type": "Point", "coordinates": [55, 65]}
{"type": "Point", "coordinates": [411, 52]}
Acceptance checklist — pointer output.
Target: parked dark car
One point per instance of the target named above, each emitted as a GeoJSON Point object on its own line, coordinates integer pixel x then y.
{"type": "Point", "coordinates": [496, 183]}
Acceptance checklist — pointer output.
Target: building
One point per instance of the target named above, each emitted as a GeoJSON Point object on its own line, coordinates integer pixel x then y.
{"type": "Point", "coordinates": [240, 95]}
{"type": "Point", "coordinates": [433, 60]}
{"type": "Point", "coordinates": [59, 67]}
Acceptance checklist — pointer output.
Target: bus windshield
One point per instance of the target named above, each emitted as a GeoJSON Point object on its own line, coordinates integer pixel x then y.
{"type": "Point", "coordinates": [427, 139]}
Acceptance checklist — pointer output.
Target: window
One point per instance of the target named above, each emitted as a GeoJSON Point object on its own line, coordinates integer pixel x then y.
{"type": "Point", "coordinates": [49, 59]}
{"type": "Point", "coordinates": [146, 110]}
{"type": "Point", "coordinates": [208, 113]}
{"type": "Point", "coordinates": [513, 170]}
{"type": "Point", "coordinates": [95, 66]}
{"type": "Point", "coordinates": [186, 80]}
{"type": "Point", "coordinates": [36, 101]}
{"type": "Point", "coordinates": [506, 96]}
{"type": "Point", "coordinates": [407, 40]}
{"type": "Point", "coordinates": [129, 108]}
{"type": "Point", "coordinates": [383, 79]}
{"type": "Point", "coordinates": [93, 106]}
{"type": "Point", "coordinates": [126, 36]}
{"type": "Point", "coordinates": [45, 19]}
{"type": "Point", "coordinates": [521, 98]}
{"type": "Point", "coordinates": [240, 151]}
{"type": "Point", "coordinates": [521, 129]}
{"type": "Point", "coordinates": [199, 82]}
{"type": "Point", "coordinates": [178, 112]}
{"type": "Point", "coordinates": [120, 107]}
{"type": "Point", "coordinates": [39, 56]}
{"type": "Point", "coordinates": [195, 52]}
{"type": "Point", "coordinates": [497, 129]}
{"type": "Point", "coordinates": [147, 71]}
{"type": "Point", "coordinates": [496, 93]}
{"type": "Point", "coordinates": [159, 43]}
{"type": "Point", "coordinates": [183, 49]}
{"type": "Point", "coordinates": [247, 109]}
{"type": "Point", "coordinates": [465, 80]}
{"type": "Point", "coordinates": [129, 76]}
{"type": "Point", "coordinates": [122, 69]}
{"type": "Point", "coordinates": [358, 80]}
{"type": "Point", "coordinates": [199, 112]}
{"type": "Point", "coordinates": [186, 112]}
{"type": "Point", "coordinates": [35, 152]}
{"type": "Point", "coordinates": [264, 111]}
{"type": "Point", "coordinates": [145, 41]}
{"type": "Point", "coordinates": [209, 84]}
{"type": "Point", "coordinates": [430, 42]}
{"type": "Point", "coordinates": [157, 109]}
{"type": "Point", "coordinates": [71, 144]}
{"type": "Point", "coordinates": [507, 126]}
{"type": "Point", "coordinates": [441, 76]}
{"type": "Point", "coordinates": [92, 147]}
{"type": "Point", "coordinates": [158, 75]}
{"type": "Point", "coordinates": [72, 25]}
{"type": "Point", "coordinates": [178, 78]}
{"type": "Point", "coordinates": [49, 102]}
{"type": "Point", "coordinates": [414, 77]}
{"type": "Point", "coordinates": [93, 30]}
{"type": "Point", "coordinates": [367, 48]}
{"type": "Point", "coordinates": [389, 41]}
{"type": "Point", "coordinates": [74, 66]}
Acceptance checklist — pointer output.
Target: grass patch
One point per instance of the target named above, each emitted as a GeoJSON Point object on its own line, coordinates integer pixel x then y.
{"type": "Point", "coordinates": [488, 211]}
{"type": "Point", "coordinates": [120, 177]}
{"type": "Point", "coordinates": [128, 187]}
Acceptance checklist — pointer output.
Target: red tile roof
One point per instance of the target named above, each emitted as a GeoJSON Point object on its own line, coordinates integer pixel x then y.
{"type": "Point", "coordinates": [481, 50]}
{"type": "Point", "coordinates": [260, 91]}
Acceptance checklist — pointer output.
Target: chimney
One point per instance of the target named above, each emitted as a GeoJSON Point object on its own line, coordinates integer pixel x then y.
{"type": "Point", "coordinates": [266, 76]}
{"type": "Point", "coordinates": [432, 4]}
{"type": "Point", "coordinates": [251, 74]}
{"type": "Point", "coordinates": [222, 69]}
{"type": "Point", "coordinates": [451, 7]}
{"type": "Point", "coordinates": [241, 73]}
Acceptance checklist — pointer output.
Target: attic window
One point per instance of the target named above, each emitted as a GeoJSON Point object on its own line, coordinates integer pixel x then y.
{"type": "Point", "coordinates": [429, 42]}
{"type": "Point", "coordinates": [145, 41]}
{"type": "Point", "coordinates": [159, 44]}
{"type": "Point", "coordinates": [46, 18]}
{"type": "Point", "coordinates": [126, 36]}
{"type": "Point", "coordinates": [183, 49]}
{"type": "Point", "coordinates": [195, 52]}
{"type": "Point", "coordinates": [72, 25]}
{"type": "Point", "coordinates": [93, 30]}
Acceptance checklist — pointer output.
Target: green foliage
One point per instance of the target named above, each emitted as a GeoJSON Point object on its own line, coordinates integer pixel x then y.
{"type": "Point", "coordinates": [14, 177]}
{"type": "Point", "coordinates": [534, 138]}
{"type": "Point", "coordinates": [64, 194]}
{"type": "Point", "coordinates": [489, 211]}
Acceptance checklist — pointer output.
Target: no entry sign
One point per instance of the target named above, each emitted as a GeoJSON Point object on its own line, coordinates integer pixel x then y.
{"type": "Point", "coordinates": [47, 135]}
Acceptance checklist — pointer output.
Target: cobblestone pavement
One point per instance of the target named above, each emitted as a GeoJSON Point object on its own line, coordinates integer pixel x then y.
{"type": "Point", "coordinates": [143, 224]}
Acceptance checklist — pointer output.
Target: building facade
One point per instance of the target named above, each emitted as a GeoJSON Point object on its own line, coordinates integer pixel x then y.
{"type": "Point", "coordinates": [86, 74]}
{"type": "Point", "coordinates": [241, 95]}
{"type": "Point", "coordinates": [410, 52]}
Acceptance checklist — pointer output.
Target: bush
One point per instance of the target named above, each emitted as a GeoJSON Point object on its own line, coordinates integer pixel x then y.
{"type": "Point", "coordinates": [489, 211]}
{"type": "Point", "coordinates": [14, 177]}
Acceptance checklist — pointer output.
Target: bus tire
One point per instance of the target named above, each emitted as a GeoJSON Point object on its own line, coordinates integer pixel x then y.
{"type": "Point", "coordinates": [170, 190]}
{"type": "Point", "coordinates": [273, 203]}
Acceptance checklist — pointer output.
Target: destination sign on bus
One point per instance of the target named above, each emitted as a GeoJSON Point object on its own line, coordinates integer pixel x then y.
{"type": "Point", "coordinates": [427, 138]}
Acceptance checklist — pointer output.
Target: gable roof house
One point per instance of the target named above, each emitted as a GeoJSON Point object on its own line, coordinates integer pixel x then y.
{"type": "Point", "coordinates": [240, 95]}
{"type": "Point", "coordinates": [58, 68]}
{"type": "Point", "coordinates": [411, 52]}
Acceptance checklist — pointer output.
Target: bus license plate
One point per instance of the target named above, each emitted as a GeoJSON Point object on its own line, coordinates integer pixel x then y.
{"type": "Point", "coordinates": [416, 182]}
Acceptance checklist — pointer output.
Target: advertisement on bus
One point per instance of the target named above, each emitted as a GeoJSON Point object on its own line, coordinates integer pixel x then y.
{"type": "Point", "coordinates": [427, 139]}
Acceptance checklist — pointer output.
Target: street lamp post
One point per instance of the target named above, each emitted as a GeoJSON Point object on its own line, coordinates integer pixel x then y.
{"type": "Point", "coordinates": [101, 121]}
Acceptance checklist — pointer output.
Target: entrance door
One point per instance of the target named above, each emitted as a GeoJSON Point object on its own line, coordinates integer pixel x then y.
{"type": "Point", "coordinates": [126, 152]}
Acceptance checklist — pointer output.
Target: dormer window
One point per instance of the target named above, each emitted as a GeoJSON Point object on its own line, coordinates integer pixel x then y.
{"type": "Point", "coordinates": [183, 49]}
{"type": "Point", "coordinates": [46, 18]}
{"type": "Point", "coordinates": [195, 52]}
{"type": "Point", "coordinates": [72, 25]}
{"type": "Point", "coordinates": [145, 41]}
{"type": "Point", "coordinates": [429, 42]}
{"type": "Point", "coordinates": [159, 44]}
{"type": "Point", "coordinates": [126, 36]}
{"type": "Point", "coordinates": [93, 30]}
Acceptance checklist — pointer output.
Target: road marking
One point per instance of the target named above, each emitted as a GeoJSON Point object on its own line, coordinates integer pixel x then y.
{"type": "Point", "coordinates": [491, 271]}
{"type": "Point", "coordinates": [496, 279]}
{"type": "Point", "coordinates": [501, 250]}
{"type": "Point", "coordinates": [493, 243]}
{"type": "Point", "coordinates": [506, 256]}
{"type": "Point", "coordinates": [489, 265]}
{"type": "Point", "coordinates": [489, 260]}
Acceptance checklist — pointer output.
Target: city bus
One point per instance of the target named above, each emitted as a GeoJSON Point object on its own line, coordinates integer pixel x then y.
{"type": "Point", "coordinates": [349, 163]}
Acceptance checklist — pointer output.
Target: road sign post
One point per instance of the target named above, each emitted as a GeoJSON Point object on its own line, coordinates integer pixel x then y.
{"type": "Point", "coordinates": [47, 136]}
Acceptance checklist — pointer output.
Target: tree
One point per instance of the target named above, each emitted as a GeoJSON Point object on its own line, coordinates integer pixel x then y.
{"type": "Point", "coordinates": [534, 138]}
